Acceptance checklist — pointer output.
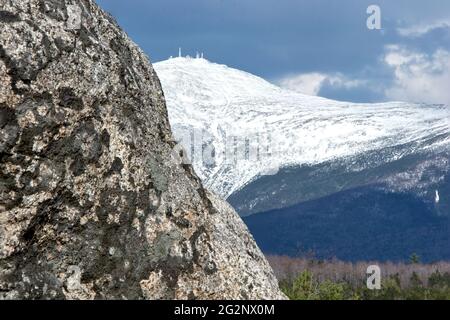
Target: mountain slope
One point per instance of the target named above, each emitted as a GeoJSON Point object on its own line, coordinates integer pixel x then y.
{"type": "Point", "coordinates": [216, 109]}
{"type": "Point", "coordinates": [420, 172]}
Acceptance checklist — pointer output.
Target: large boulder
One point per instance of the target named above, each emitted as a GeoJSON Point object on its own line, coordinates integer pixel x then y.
{"type": "Point", "coordinates": [93, 202]}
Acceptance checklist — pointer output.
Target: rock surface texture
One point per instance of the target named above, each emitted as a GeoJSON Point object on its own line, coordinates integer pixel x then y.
{"type": "Point", "coordinates": [93, 203]}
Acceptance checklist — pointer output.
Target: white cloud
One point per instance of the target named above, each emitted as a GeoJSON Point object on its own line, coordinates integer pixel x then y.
{"type": "Point", "coordinates": [416, 77]}
{"type": "Point", "coordinates": [420, 30]}
{"type": "Point", "coordinates": [311, 83]}
{"type": "Point", "coordinates": [419, 77]}
{"type": "Point", "coordinates": [306, 83]}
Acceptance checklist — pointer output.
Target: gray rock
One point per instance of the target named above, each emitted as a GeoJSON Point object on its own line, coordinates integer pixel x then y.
{"type": "Point", "coordinates": [93, 203]}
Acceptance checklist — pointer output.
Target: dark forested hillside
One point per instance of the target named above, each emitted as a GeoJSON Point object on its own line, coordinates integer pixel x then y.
{"type": "Point", "coordinates": [358, 224]}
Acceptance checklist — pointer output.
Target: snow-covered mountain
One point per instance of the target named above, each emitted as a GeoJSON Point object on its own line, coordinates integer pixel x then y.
{"type": "Point", "coordinates": [237, 127]}
{"type": "Point", "coordinates": [346, 180]}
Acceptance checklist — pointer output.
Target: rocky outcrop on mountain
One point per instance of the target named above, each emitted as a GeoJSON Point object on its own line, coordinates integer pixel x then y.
{"type": "Point", "coordinates": [93, 202]}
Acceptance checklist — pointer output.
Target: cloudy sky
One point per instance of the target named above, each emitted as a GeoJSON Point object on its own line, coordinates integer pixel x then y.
{"type": "Point", "coordinates": [320, 47]}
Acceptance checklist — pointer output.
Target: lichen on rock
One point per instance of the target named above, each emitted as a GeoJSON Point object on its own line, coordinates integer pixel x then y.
{"type": "Point", "coordinates": [93, 205]}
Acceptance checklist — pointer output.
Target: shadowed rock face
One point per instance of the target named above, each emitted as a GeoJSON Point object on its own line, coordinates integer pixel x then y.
{"type": "Point", "coordinates": [92, 202]}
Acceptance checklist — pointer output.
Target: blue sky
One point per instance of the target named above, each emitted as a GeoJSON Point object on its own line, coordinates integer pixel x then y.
{"type": "Point", "coordinates": [319, 47]}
